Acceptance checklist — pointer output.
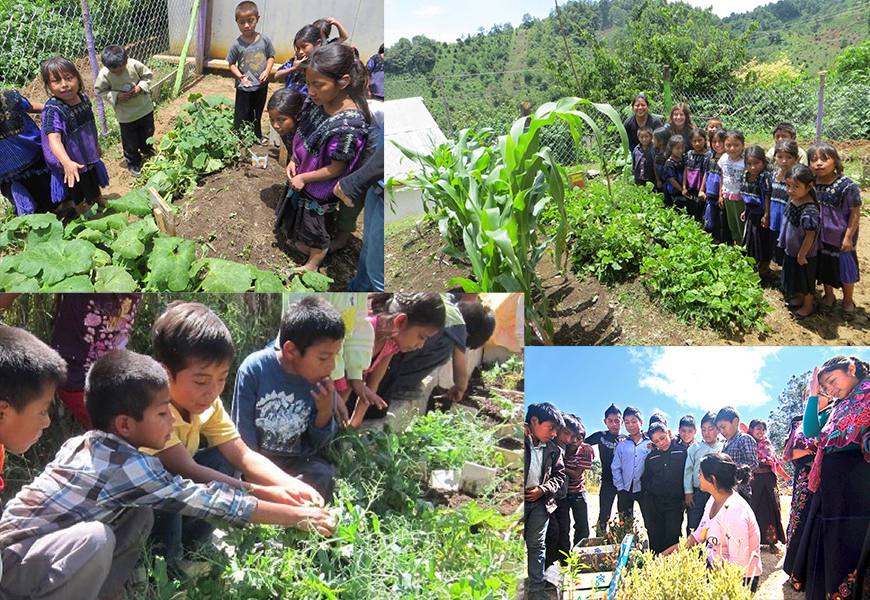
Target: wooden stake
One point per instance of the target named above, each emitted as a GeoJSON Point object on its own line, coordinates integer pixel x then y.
{"type": "Point", "coordinates": [162, 213]}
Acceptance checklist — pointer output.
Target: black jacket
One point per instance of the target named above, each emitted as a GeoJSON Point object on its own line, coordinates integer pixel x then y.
{"type": "Point", "coordinates": [552, 472]}
{"type": "Point", "coordinates": [663, 473]}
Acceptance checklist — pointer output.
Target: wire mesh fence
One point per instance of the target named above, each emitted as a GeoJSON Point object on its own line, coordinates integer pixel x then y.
{"type": "Point", "coordinates": [489, 100]}
{"type": "Point", "coordinates": [32, 31]}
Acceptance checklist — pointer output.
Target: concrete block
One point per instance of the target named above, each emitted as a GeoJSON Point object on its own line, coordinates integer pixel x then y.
{"type": "Point", "coordinates": [511, 457]}
{"type": "Point", "coordinates": [445, 480]}
{"type": "Point", "coordinates": [476, 478]}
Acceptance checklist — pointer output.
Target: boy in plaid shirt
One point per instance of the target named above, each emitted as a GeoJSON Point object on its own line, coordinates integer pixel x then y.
{"type": "Point", "coordinates": [78, 529]}
{"type": "Point", "coordinates": [740, 446]}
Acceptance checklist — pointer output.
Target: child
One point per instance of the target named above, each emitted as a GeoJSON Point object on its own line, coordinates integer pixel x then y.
{"type": "Point", "coordinates": [196, 349]}
{"type": "Point", "coordinates": [765, 497]}
{"type": "Point", "coordinates": [69, 140]}
{"type": "Point", "coordinates": [715, 219]}
{"type": "Point", "coordinates": [712, 126]}
{"type": "Point", "coordinates": [728, 527]}
{"type": "Point", "coordinates": [24, 178]}
{"type": "Point", "coordinates": [782, 132]}
{"type": "Point", "coordinates": [686, 437]}
{"type": "Point", "coordinates": [558, 539]}
{"type": "Point", "coordinates": [695, 498]}
{"type": "Point", "coordinates": [282, 404]}
{"type": "Point", "coordinates": [307, 40]}
{"type": "Point", "coordinates": [660, 143]}
{"type": "Point", "coordinates": [77, 530]}
{"type": "Point", "coordinates": [375, 67]}
{"type": "Point", "coordinates": [738, 445]}
{"type": "Point", "coordinates": [643, 157]}
{"type": "Point", "coordinates": [325, 28]}
{"type": "Point", "coordinates": [285, 112]}
{"type": "Point", "coordinates": [606, 442]}
{"type": "Point", "coordinates": [402, 323]}
{"type": "Point", "coordinates": [328, 144]}
{"type": "Point", "coordinates": [578, 458]}
{"type": "Point", "coordinates": [755, 191]}
{"type": "Point", "coordinates": [250, 57]}
{"type": "Point", "coordinates": [786, 155]}
{"type": "Point", "coordinates": [543, 474]}
{"type": "Point", "coordinates": [799, 240]}
{"type": "Point", "coordinates": [675, 168]}
{"type": "Point", "coordinates": [693, 176]}
{"type": "Point", "coordinates": [628, 465]}
{"type": "Point", "coordinates": [732, 165]}
{"type": "Point", "coordinates": [840, 206]}
{"type": "Point", "coordinates": [662, 485]}
{"type": "Point", "coordinates": [125, 84]}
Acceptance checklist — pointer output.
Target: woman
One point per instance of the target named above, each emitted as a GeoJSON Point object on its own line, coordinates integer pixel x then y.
{"type": "Point", "coordinates": [680, 121]}
{"type": "Point", "coordinates": [831, 544]}
{"type": "Point", "coordinates": [641, 117]}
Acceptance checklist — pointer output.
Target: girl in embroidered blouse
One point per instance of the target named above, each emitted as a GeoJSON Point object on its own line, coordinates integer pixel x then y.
{"type": "Point", "coordinates": [765, 497]}
{"type": "Point", "coordinates": [728, 527]}
{"type": "Point", "coordinates": [24, 178]}
{"type": "Point", "coordinates": [840, 507]}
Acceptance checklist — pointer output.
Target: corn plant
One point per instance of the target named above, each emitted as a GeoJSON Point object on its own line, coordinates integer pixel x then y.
{"type": "Point", "coordinates": [489, 202]}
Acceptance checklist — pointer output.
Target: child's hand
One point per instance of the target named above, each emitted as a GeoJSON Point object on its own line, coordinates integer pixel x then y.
{"type": "Point", "coordinates": [685, 191]}
{"type": "Point", "coordinates": [312, 520]}
{"type": "Point", "coordinates": [846, 246]}
{"type": "Point", "coordinates": [71, 172]}
{"type": "Point", "coordinates": [291, 170]}
{"type": "Point", "coordinates": [366, 395]}
{"type": "Point", "coordinates": [721, 204]}
{"type": "Point", "coordinates": [702, 195]}
{"type": "Point", "coordinates": [814, 383]}
{"type": "Point", "coordinates": [340, 193]}
{"type": "Point", "coordinates": [802, 259]}
{"type": "Point", "coordinates": [533, 494]}
{"type": "Point", "coordinates": [455, 394]}
{"type": "Point", "coordinates": [588, 451]}
{"type": "Point", "coordinates": [322, 394]}
{"type": "Point", "coordinates": [297, 182]}
{"type": "Point", "coordinates": [244, 81]}
{"type": "Point", "coordinates": [331, 21]}
{"type": "Point", "coordinates": [690, 500]}
{"type": "Point", "coordinates": [264, 76]}
{"type": "Point", "coordinates": [765, 221]}
{"type": "Point", "coordinates": [743, 216]}
{"type": "Point", "coordinates": [300, 493]}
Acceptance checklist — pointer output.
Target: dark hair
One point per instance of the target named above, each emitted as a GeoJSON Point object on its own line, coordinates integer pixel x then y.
{"type": "Point", "coordinates": [336, 61]}
{"type": "Point", "coordinates": [662, 135]}
{"type": "Point", "coordinates": [544, 412]}
{"type": "Point", "coordinates": [786, 127]}
{"type": "Point", "coordinates": [381, 49]}
{"type": "Point", "coordinates": [826, 151]}
{"type": "Point", "coordinates": [736, 134]}
{"type": "Point", "coordinates": [245, 7]}
{"type": "Point", "coordinates": [717, 134]}
{"type": "Point", "coordinates": [426, 310]}
{"type": "Point", "coordinates": [479, 323]}
{"type": "Point", "coordinates": [612, 410]}
{"type": "Point", "coordinates": [57, 66]}
{"type": "Point", "coordinates": [287, 101]}
{"type": "Point", "coordinates": [646, 128]}
{"type": "Point", "coordinates": [709, 417]}
{"type": "Point", "coordinates": [756, 152]}
{"type": "Point", "coordinates": [658, 417]}
{"type": "Point", "coordinates": [324, 26]}
{"type": "Point", "coordinates": [309, 34]}
{"type": "Point", "coordinates": [722, 469]}
{"type": "Point", "coordinates": [122, 382]}
{"type": "Point", "coordinates": [676, 139]}
{"type": "Point", "coordinates": [802, 173]}
{"type": "Point", "coordinates": [841, 363]}
{"type": "Point", "coordinates": [630, 410]}
{"type": "Point", "coordinates": [640, 97]}
{"type": "Point", "coordinates": [571, 423]}
{"type": "Point", "coordinates": [787, 146]}
{"type": "Point", "coordinates": [698, 131]}
{"type": "Point", "coordinates": [755, 422]}
{"type": "Point", "coordinates": [715, 119]}
{"type": "Point", "coordinates": [114, 57]}
{"type": "Point", "coordinates": [27, 365]}
{"type": "Point", "coordinates": [688, 421]}
{"type": "Point", "coordinates": [729, 413]}
{"type": "Point", "coordinates": [581, 430]}
{"type": "Point", "coordinates": [309, 321]}
{"type": "Point", "coordinates": [656, 426]}
{"type": "Point", "coordinates": [188, 331]}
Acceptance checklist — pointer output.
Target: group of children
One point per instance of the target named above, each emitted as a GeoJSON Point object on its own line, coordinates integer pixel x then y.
{"type": "Point", "coordinates": [784, 205]}
{"type": "Point", "coordinates": [78, 529]}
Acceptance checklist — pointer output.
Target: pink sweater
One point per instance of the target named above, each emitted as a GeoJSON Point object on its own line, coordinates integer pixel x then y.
{"type": "Point", "coordinates": [732, 535]}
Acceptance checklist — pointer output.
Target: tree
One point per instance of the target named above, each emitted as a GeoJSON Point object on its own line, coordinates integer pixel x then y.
{"type": "Point", "coordinates": [527, 21]}
{"type": "Point", "coordinates": [791, 404]}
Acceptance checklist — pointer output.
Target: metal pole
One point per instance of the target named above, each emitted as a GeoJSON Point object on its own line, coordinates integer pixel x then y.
{"type": "Point", "coordinates": [821, 110]}
{"type": "Point", "coordinates": [668, 99]}
{"type": "Point", "coordinates": [92, 55]}
{"type": "Point", "coordinates": [200, 36]}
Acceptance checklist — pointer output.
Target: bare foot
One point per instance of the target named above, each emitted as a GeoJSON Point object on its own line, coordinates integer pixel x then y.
{"type": "Point", "coordinates": [339, 241]}
{"type": "Point", "coordinates": [83, 207]}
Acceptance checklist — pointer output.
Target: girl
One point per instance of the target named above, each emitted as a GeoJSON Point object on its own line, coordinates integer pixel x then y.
{"type": "Point", "coordinates": [765, 497]}
{"type": "Point", "coordinates": [728, 527]}
{"type": "Point", "coordinates": [840, 202]}
{"type": "Point", "coordinates": [755, 190]}
{"type": "Point", "coordinates": [715, 221]}
{"type": "Point", "coordinates": [327, 145]}
{"type": "Point", "coordinates": [829, 548]}
{"type": "Point", "coordinates": [660, 143]}
{"type": "Point", "coordinates": [680, 120]}
{"type": "Point", "coordinates": [402, 323]}
{"type": "Point", "coordinates": [69, 140]}
{"type": "Point", "coordinates": [285, 112]}
{"type": "Point", "coordinates": [696, 164]}
{"type": "Point", "coordinates": [325, 28]}
{"type": "Point", "coordinates": [785, 153]}
{"type": "Point", "coordinates": [675, 168]}
{"type": "Point", "coordinates": [24, 178]}
{"type": "Point", "coordinates": [307, 40]}
{"type": "Point", "coordinates": [732, 165]}
{"type": "Point", "coordinates": [799, 240]}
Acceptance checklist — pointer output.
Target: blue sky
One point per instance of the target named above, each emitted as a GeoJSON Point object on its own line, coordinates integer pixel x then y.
{"type": "Point", "coordinates": [446, 20]}
{"type": "Point", "coordinates": [672, 380]}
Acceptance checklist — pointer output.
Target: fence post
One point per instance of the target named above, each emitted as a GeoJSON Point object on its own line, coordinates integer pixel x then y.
{"type": "Point", "coordinates": [201, 36]}
{"type": "Point", "coordinates": [92, 54]}
{"type": "Point", "coordinates": [667, 79]}
{"type": "Point", "coordinates": [821, 110]}
{"type": "Point", "coordinates": [446, 106]}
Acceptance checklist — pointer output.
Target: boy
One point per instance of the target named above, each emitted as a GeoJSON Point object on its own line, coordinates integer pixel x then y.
{"type": "Point", "coordinates": [643, 162]}
{"type": "Point", "coordinates": [283, 401]}
{"type": "Point", "coordinates": [77, 530]}
{"type": "Point", "coordinates": [558, 539]}
{"type": "Point", "coordinates": [251, 58]}
{"type": "Point", "coordinates": [606, 442]}
{"type": "Point", "coordinates": [695, 498]}
{"type": "Point", "coordinates": [578, 458]}
{"type": "Point", "coordinates": [662, 484]}
{"type": "Point", "coordinates": [687, 432]}
{"type": "Point", "coordinates": [196, 349]}
{"type": "Point", "coordinates": [785, 131]}
{"type": "Point", "coordinates": [543, 474]}
{"type": "Point", "coordinates": [712, 125]}
{"type": "Point", "coordinates": [126, 84]}
{"type": "Point", "coordinates": [628, 465]}
{"type": "Point", "coordinates": [738, 445]}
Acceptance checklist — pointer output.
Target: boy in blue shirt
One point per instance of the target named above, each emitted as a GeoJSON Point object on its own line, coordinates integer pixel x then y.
{"type": "Point", "coordinates": [283, 400]}
{"type": "Point", "coordinates": [628, 464]}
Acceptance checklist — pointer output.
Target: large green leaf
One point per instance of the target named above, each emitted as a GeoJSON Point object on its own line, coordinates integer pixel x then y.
{"type": "Point", "coordinates": [114, 279]}
{"type": "Point", "coordinates": [55, 260]}
{"type": "Point", "coordinates": [318, 282]}
{"type": "Point", "coordinates": [225, 276]}
{"type": "Point", "coordinates": [17, 282]}
{"type": "Point", "coordinates": [137, 202]}
{"type": "Point", "coordinates": [77, 283]}
{"type": "Point", "coordinates": [170, 264]}
{"type": "Point", "coordinates": [266, 281]}
{"type": "Point", "coordinates": [131, 241]}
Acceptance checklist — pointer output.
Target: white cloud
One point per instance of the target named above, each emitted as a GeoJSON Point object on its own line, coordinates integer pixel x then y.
{"type": "Point", "coordinates": [706, 378]}
{"type": "Point", "coordinates": [663, 413]}
{"type": "Point", "coordinates": [429, 11]}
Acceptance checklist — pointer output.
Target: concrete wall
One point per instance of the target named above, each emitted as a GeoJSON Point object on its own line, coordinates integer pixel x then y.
{"type": "Point", "coordinates": [408, 202]}
{"type": "Point", "coordinates": [280, 20]}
